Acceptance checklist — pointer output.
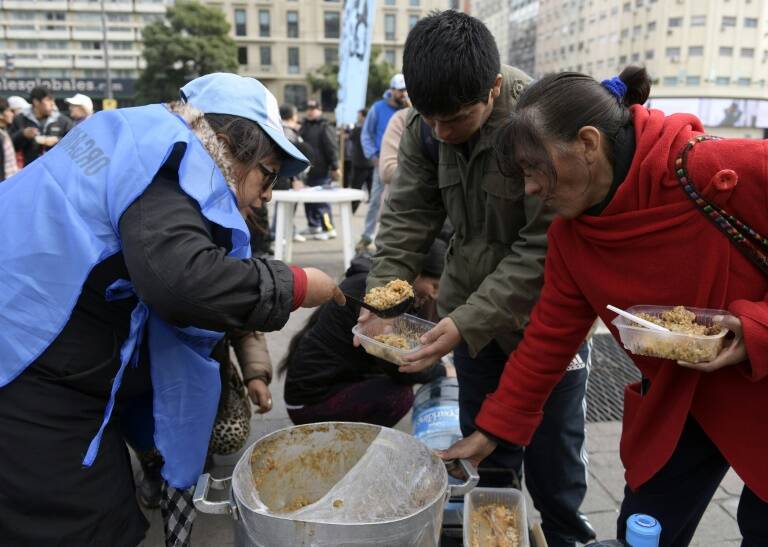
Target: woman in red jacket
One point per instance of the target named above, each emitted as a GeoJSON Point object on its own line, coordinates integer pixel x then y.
{"type": "Point", "coordinates": [630, 232]}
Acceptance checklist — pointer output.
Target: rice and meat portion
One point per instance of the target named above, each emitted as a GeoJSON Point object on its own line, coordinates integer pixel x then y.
{"type": "Point", "coordinates": [692, 348]}
{"type": "Point", "coordinates": [494, 525]}
{"type": "Point", "coordinates": [389, 295]}
{"type": "Point", "coordinates": [395, 341]}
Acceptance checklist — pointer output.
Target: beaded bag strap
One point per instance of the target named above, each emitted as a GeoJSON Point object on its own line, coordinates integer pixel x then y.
{"type": "Point", "coordinates": [747, 240]}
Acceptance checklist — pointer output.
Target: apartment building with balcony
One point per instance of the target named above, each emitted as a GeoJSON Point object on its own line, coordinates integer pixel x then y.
{"type": "Point", "coordinates": [280, 41]}
{"type": "Point", "coordinates": [708, 57]}
{"type": "Point", "coordinates": [59, 43]}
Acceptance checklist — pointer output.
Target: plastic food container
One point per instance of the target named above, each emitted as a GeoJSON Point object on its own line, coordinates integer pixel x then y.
{"type": "Point", "coordinates": [408, 326]}
{"type": "Point", "coordinates": [507, 497]}
{"type": "Point", "coordinates": [671, 345]}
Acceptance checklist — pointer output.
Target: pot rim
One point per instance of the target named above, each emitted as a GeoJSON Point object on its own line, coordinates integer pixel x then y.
{"type": "Point", "coordinates": [245, 460]}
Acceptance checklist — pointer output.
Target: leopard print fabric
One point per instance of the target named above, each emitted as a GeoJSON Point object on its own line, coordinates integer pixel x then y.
{"type": "Point", "coordinates": [233, 421]}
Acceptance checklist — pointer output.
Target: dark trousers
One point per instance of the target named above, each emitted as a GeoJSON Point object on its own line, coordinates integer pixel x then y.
{"type": "Point", "coordinates": [319, 214]}
{"type": "Point", "coordinates": [679, 493]}
{"type": "Point", "coordinates": [555, 471]}
{"type": "Point", "coordinates": [378, 401]}
{"type": "Point", "coordinates": [361, 176]}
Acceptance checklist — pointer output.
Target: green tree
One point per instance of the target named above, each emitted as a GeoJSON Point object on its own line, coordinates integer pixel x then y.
{"type": "Point", "coordinates": [325, 79]}
{"type": "Point", "coordinates": [192, 41]}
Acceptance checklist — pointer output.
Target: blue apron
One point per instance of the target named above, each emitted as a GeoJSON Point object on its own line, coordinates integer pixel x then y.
{"type": "Point", "coordinates": [59, 217]}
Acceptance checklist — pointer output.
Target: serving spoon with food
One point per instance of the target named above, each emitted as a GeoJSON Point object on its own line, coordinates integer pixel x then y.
{"type": "Point", "coordinates": [385, 313]}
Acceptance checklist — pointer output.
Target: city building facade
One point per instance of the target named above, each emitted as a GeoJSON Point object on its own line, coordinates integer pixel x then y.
{"type": "Point", "coordinates": [59, 43]}
{"type": "Point", "coordinates": [707, 57]}
{"type": "Point", "coordinates": [281, 41]}
{"type": "Point", "coordinates": [513, 24]}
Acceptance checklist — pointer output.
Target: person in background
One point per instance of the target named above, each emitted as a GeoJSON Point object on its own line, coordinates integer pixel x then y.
{"type": "Point", "coordinates": [328, 379]}
{"type": "Point", "coordinates": [18, 104]}
{"type": "Point", "coordinates": [80, 107]}
{"type": "Point", "coordinates": [390, 144]}
{"type": "Point", "coordinates": [395, 98]}
{"type": "Point", "coordinates": [8, 166]}
{"type": "Point", "coordinates": [683, 214]}
{"type": "Point", "coordinates": [37, 129]}
{"type": "Point", "coordinates": [494, 270]}
{"type": "Point", "coordinates": [362, 169]}
{"type": "Point", "coordinates": [321, 138]}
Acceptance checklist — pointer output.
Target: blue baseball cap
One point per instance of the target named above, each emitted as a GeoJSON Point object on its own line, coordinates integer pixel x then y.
{"type": "Point", "coordinates": [225, 93]}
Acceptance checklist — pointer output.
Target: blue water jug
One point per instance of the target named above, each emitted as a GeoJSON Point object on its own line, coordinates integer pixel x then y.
{"type": "Point", "coordinates": [643, 531]}
{"type": "Point", "coordinates": [436, 413]}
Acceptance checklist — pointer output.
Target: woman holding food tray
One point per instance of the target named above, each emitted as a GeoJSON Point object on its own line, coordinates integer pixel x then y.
{"type": "Point", "coordinates": [651, 212]}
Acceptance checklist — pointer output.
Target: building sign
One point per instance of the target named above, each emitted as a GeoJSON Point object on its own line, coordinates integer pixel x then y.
{"type": "Point", "coordinates": [720, 112]}
{"type": "Point", "coordinates": [121, 87]}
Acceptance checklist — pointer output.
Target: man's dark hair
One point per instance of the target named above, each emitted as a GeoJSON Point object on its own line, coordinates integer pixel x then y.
{"type": "Point", "coordinates": [287, 111]}
{"type": "Point", "coordinates": [450, 60]}
{"type": "Point", "coordinates": [363, 111]}
{"type": "Point", "coordinates": [39, 93]}
{"type": "Point", "coordinates": [4, 104]}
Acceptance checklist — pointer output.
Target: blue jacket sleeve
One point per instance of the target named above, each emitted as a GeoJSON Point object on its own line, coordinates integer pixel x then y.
{"type": "Point", "coordinates": [368, 134]}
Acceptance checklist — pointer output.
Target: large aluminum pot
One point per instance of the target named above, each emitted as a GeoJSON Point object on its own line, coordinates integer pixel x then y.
{"type": "Point", "coordinates": [336, 483]}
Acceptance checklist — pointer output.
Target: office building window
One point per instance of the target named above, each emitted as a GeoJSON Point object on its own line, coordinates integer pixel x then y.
{"type": "Point", "coordinates": [296, 95]}
{"type": "Point", "coordinates": [624, 33]}
{"type": "Point", "coordinates": [331, 24]}
{"type": "Point", "coordinates": [627, 7]}
{"type": "Point", "coordinates": [748, 52]}
{"type": "Point", "coordinates": [744, 81]}
{"type": "Point", "coordinates": [692, 80]}
{"type": "Point", "coordinates": [292, 22]}
{"type": "Point", "coordinates": [698, 20]}
{"type": "Point", "coordinates": [264, 23]}
{"type": "Point", "coordinates": [649, 55]}
{"type": "Point", "coordinates": [672, 52]}
{"type": "Point", "coordinates": [389, 26]}
{"type": "Point", "coordinates": [622, 60]}
{"type": "Point", "coordinates": [725, 51]}
{"type": "Point", "coordinates": [695, 51]}
{"type": "Point", "coordinates": [675, 22]}
{"type": "Point", "coordinates": [636, 30]}
{"type": "Point", "coordinates": [750, 22]}
{"type": "Point", "coordinates": [722, 80]}
{"type": "Point", "coordinates": [331, 55]}
{"type": "Point", "coordinates": [670, 81]}
{"type": "Point", "coordinates": [389, 56]}
{"type": "Point", "coordinates": [293, 60]}
{"type": "Point", "coordinates": [389, 2]}
{"type": "Point", "coordinates": [729, 21]}
{"type": "Point", "coordinates": [265, 55]}
{"type": "Point", "coordinates": [242, 55]}
{"type": "Point", "coordinates": [240, 28]}
{"type": "Point", "coordinates": [414, 3]}
{"type": "Point", "coordinates": [650, 27]}
{"type": "Point", "coordinates": [412, 20]}
{"type": "Point", "coordinates": [635, 57]}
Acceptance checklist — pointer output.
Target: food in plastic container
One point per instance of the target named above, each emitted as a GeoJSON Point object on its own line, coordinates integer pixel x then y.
{"type": "Point", "coordinates": [693, 337]}
{"type": "Point", "coordinates": [495, 517]}
{"type": "Point", "coordinates": [378, 335]}
{"type": "Point", "coordinates": [389, 295]}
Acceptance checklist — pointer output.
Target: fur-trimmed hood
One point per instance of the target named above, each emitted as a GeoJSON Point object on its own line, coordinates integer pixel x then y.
{"type": "Point", "coordinates": [213, 145]}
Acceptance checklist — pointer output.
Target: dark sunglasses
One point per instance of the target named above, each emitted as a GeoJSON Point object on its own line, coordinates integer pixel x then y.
{"type": "Point", "coordinates": [270, 176]}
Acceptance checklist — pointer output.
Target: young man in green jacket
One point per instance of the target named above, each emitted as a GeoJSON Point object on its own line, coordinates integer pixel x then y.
{"type": "Point", "coordinates": [494, 265]}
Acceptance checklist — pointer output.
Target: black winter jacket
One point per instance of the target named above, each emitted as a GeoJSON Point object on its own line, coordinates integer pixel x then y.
{"type": "Point", "coordinates": [321, 137]}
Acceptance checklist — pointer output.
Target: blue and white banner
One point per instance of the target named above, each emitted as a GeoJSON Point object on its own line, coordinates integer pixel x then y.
{"type": "Point", "coordinates": [354, 55]}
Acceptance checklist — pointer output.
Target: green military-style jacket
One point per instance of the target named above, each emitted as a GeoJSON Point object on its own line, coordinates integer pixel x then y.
{"type": "Point", "coordinates": [495, 260]}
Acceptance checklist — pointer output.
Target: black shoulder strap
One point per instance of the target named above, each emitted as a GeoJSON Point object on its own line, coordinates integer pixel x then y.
{"type": "Point", "coordinates": [429, 144]}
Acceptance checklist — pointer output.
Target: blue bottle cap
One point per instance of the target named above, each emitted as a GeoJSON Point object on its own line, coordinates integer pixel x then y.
{"type": "Point", "coordinates": [643, 531]}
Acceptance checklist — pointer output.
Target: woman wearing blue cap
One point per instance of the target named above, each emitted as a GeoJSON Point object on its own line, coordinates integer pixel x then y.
{"type": "Point", "coordinates": [125, 258]}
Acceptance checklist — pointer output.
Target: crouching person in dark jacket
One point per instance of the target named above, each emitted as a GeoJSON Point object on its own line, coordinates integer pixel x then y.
{"type": "Point", "coordinates": [328, 379]}
{"type": "Point", "coordinates": [125, 260]}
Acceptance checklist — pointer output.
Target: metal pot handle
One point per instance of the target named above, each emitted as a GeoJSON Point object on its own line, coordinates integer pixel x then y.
{"type": "Point", "coordinates": [472, 479]}
{"type": "Point", "coordinates": [200, 497]}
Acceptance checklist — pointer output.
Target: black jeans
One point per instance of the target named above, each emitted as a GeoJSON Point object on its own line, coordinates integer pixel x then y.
{"type": "Point", "coordinates": [679, 493]}
{"type": "Point", "coordinates": [555, 468]}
